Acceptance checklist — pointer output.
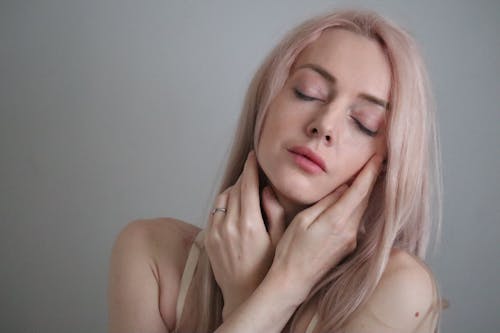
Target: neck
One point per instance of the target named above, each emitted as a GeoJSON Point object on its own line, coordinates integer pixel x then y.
{"type": "Point", "coordinates": [291, 207]}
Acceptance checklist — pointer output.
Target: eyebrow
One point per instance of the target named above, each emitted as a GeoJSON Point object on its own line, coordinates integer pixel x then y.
{"type": "Point", "coordinates": [375, 100]}
{"type": "Point", "coordinates": [321, 71]}
{"type": "Point", "coordinates": [330, 78]}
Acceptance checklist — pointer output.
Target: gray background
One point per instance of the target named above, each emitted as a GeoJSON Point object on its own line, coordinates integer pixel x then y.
{"type": "Point", "coordinates": [118, 110]}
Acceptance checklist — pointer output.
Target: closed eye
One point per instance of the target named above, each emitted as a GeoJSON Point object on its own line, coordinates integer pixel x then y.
{"type": "Point", "coordinates": [363, 129]}
{"type": "Point", "coordinates": [302, 96]}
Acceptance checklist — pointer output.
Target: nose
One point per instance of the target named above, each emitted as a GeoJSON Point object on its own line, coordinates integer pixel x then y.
{"type": "Point", "coordinates": [321, 127]}
{"type": "Point", "coordinates": [314, 131]}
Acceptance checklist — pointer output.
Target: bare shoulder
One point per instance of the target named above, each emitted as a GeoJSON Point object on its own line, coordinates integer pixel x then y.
{"type": "Point", "coordinates": [146, 265]}
{"type": "Point", "coordinates": [162, 234]}
{"type": "Point", "coordinates": [409, 283]}
{"type": "Point", "coordinates": [403, 300]}
{"type": "Point", "coordinates": [166, 240]}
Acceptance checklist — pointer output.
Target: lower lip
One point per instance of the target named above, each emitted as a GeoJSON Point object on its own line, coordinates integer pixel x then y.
{"type": "Point", "coordinates": [306, 164]}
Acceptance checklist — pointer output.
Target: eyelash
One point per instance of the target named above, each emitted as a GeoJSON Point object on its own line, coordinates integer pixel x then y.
{"type": "Point", "coordinates": [303, 97]}
{"type": "Point", "coordinates": [362, 128]}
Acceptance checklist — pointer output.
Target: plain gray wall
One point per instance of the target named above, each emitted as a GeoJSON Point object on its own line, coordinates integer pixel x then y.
{"type": "Point", "coordinates": [118, 110]}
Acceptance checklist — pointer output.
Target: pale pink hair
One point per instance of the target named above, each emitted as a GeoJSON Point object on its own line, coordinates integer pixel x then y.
{"type": "Point", "coordinates": [403, 205]}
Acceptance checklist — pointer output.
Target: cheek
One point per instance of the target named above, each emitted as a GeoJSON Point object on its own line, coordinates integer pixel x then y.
{"type": "Point", "coordinates": [355, 156]}
{"type": "Point", "coordinates": [365, 147]}
{"type": "Point", "coordinates": [278, 122]}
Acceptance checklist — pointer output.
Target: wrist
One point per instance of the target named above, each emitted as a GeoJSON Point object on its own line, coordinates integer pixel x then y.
{"type": "Point", "coordinates": [232, 301]}
{"type": "Point", "coordinates": [228, 308]}
{"type": "Point", "coordinates": [267, 309]}
{"type": "Point", "coordinates": [292, 291]}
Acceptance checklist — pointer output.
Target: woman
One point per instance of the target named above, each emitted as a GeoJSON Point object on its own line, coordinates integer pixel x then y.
{"type": "Point", "coordinates": [325, 209]}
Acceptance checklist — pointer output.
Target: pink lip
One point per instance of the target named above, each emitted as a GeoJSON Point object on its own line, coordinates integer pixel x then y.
{"type": "Point", "coordinates": [309, 155]}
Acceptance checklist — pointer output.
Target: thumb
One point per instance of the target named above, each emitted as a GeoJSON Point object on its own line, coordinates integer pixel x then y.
{"type": "Point", "coordinates": [275, 215]}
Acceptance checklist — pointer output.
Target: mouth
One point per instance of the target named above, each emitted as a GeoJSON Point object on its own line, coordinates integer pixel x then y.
{"type": "Point", "coordinates": [307, 159]}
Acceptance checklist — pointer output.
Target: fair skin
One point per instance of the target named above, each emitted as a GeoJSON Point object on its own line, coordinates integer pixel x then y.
{"type": "Point", "coordinates": [326, 108]}
{"type": "Point", "coordinates": [334, 114]}
{"type": "Point", "coordinates": [313, 219]}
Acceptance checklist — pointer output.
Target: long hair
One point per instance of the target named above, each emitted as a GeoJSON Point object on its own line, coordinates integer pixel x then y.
{"type": "Point", "coordinates": [404, 203]}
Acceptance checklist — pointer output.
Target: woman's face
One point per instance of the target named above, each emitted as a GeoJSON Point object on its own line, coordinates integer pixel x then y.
{"type": "Point", "coordinates": [333, 103]}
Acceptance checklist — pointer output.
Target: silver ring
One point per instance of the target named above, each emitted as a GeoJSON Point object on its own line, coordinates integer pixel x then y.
{"type": "Point", "coordinates": [218, 209]}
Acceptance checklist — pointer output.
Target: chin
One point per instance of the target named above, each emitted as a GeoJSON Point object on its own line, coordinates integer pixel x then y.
{"type": "Point", "coordinates": [291, 185]}
{"type": "Point", "coordinates": [297, 194]}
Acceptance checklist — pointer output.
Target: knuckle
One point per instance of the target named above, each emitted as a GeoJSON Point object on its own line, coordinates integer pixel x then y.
{"type": "Point", "coordinates": [336, 216]}
{"type": "Point", "coordinates": [248, 227]}
{"type": "Point", "coordinates": [351, 240]}
{"type": "Point", "coordinates": [350, 232]}
{"type": "Point", "coordinates": [351, 246]}
{"type": "Point", "coordinates": [228, 231]}
{"type": "Point", "coordinates": [300, 217]}
{"type": "Point", "coordinates": [336, 223]}
{"type": "Point", "coordinates": [303, 223]}
{"type": "Point", "coordinates": [336, 229]}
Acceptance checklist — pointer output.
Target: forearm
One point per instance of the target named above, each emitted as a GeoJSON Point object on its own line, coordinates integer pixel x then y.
{"type": "Point", "coordinates": [268, 309]}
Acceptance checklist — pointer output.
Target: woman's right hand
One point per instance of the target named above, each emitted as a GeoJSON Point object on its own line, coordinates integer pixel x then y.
{"type": "Point", "coordinates": [319, 237]}
{"type": "Point", "coordinates": [239, 247]}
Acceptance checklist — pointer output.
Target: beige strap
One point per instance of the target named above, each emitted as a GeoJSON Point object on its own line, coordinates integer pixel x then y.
{"type": "Point", "coordinates": [312, 323]}
{"type": "Point", "coordinates": [187, 275]}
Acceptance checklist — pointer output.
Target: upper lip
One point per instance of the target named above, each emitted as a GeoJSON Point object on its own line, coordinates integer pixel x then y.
{"type": "Point", "coordinates": [304, 151]}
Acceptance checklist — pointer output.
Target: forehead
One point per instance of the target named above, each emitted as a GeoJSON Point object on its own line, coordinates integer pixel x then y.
{"type": "Point", "coordinates": [357, 62]}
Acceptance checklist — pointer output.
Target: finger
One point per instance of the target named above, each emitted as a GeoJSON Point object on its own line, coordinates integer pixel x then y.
{"type": "Point", "coordinates": [361, 187]}
{"type": "Point", "coordinates": [233, 206]}
{"type": "Point", "coordinates": [220, 202]}
{"type": "Point", "coordinates": [275, 214]}
{"type": "Point", "coordinates": [312, 213]}
{"type": "Point", "coordinates": [250, 188]}
{"type": "Point", "coordinates": [356, 197]}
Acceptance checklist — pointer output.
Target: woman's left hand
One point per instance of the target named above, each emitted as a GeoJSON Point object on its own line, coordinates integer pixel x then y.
{"type": "Point", "coordinates": [237, 243]}
{"type": "Point", "coordinates": [320, 236]}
